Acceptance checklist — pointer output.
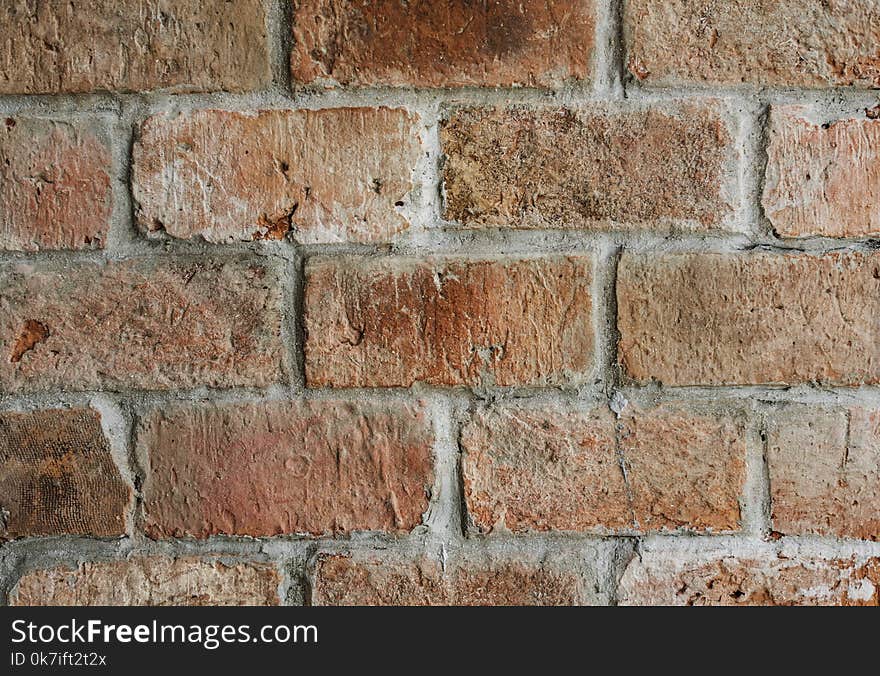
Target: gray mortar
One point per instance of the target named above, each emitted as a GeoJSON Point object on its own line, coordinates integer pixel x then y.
{"type": "Point", "coordinates": [444, 534]}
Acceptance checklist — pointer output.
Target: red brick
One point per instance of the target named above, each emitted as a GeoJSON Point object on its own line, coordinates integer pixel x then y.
{"type": "Point", "coordinates": [320, 175]}
{"type": "Point", "coordinates": [442, 44]}
{"type": "Point", "coordinates": [822, 178]}
{"type": "Point", "coordinates": [825, 471]}
{"type": "Point", "coordinates": [809, 43]}
{"type": "Point", "coordinates": [132, 45]}
{"type": "Point", "coordinates": [150, 582]}
{"type": "Point", "coordinates": [374, 581]}
{"type": "Point", "coordinates": [555, 468]}
{"type": "Point", "coordinates": [392, 322]}
{"type": "Point", "coordinates": [666, 579]}
{"type": "Point", "coordinates": [588, 168]}
{"type": "Point", "coordinates": [312, 467]}
{"type": "Point", "coordinates": [179, 322]}
{"type": "Point", "coordinates": [54, 185]}
{"type": "Point", "coordinates": [741, 319]}
{"type": "Point", "coordinates": [57, 476]}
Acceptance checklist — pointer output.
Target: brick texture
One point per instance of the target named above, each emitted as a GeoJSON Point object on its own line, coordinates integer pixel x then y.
{"type": "Point", "coordinates": [822, 178]}
{"type": "Point", "coordinates": [442, 44]}
{"type": "Point", "coordinates": [825, 471]}
{"type": "Point", "coordinates": [559, 469]}
{"type": "Point", "coordinates": [318, 176]}
{"type": "Point", "coordinates": [146, 324]}
{"type": "Point", "coordinates": [132, 45]}
{"type": "Point", "coordinates": [57, 476]}
{"type": "Point", "coordinates": [392, 322]}
{"type": "Point", "coordinates": [810, 43]}
{"type": "Point", "coordinates": [740, 319]}
{"type": "Point", "coordinates": [588, 168]}
{"type": "Point", "coordinates": [345, 581]}
{"type": "Point", "coordinates": [311, 467]}
{"type": "Point", "coordinates": [655, 579]}
{"type": "Point", "coordinates": [150, 582]}
{"type": "Point", "coordinates": [54, 185]}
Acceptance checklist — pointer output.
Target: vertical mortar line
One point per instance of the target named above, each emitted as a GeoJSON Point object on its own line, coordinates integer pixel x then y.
{"type": "Point", "coordinates": [606, 367]}
{"type": "Point", "coordinates": [752, 143]}
{"type": "Point", "coordinates": [758, 477]}
{"type": "Point", "coordinates": [609, 47]}
{"type": "Point", "coordinates": [293, 325]}
{"type": "Point", "coordinates": [444, 519]}
{"type": "Point", "coordinates": [279, 34]}
{"type": "Point", "coordinates": [122, 232]}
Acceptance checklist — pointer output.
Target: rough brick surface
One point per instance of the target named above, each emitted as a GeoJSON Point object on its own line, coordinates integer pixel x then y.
{"type": "Point", "coordinates": [822, 178]}
{"type": "Point", "coordinates": [345, 581]}
{"type": "Point", "coordinates": [744, 319]}
{"type": "Point", "coordinates": [54, 185]}
{"type": "Point", "coordinates": [442, 44]}
{"type": "Point", "coordinates": [587, 168]}
{"type": "Point", "coordinates": [658, 579]}
{"type": "Point", "coordinates": [150, 582]}
{"type": "Point", "coordinates": [180, 322]}
{"type": "Point", "coordinates": [825, 471]}
{"type": "Point", "coordinates": [810, 43]}
{"type": "Point", "coordinates": [558, 469]}
{"type": "Point", "coordinates": [57, 476]}
{"type": "Point", "coordinates": [312, 467]}
{"type": "Point", "coordinates": [323, 176]}
{"type": "Point", "coordinates": [132, 45]}
{"type": "Point", "coordinates": [386, 322]}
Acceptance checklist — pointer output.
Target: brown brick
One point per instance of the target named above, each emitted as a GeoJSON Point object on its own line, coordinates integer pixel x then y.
{"type": "Point", "coordinates": [588, 168]}
{"type": "Point", "coordinates": [740, 319]}
{"type": "Point", "coordinates": [150, 582]}
{"type": "Point", "coordinates": [825, 471]}
{"type": "Point", "coordinates": [557, 469]}
{"type": "Point", "coordinates": [809, 43]}
{"type": "Point", "coordinates": [312, 467]}
{"type": "Point", "coordinates": [54, 185]}
{"type": "Point", "coordinates": [57, 476]}
{"type": "Point", "coordinates": [442, 44]}
{"type": "Point", "coordinates": [666, 579]}
{"type": "Point", "coordinates": [132, 45]}
{"type": "Point", "coordinates": [323, 176]}
{"type": "Point", "coordinates": [374, 581]}
{"type": "Point", "coordinates": [822, 178]}
{"type": "Point", "coordinates": [183, 322]}
{"type": "Point", "coordinates": [392, 322]}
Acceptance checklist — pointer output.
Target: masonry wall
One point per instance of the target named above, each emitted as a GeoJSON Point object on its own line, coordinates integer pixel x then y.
{"type": "Point", "coordinates": [557, 302]}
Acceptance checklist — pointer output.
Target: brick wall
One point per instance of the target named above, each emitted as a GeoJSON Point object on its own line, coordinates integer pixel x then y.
{"type": "Point", "coordinates": [325, 301]}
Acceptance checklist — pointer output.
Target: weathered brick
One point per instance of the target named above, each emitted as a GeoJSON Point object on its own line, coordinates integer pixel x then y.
{"type": "Point", "coordinates": [442, 44]}
{"type": "Point", "coordinates": [179, 322]}
{"type": "Point", "coordinates": [54, 185]}
{"type": "Point", "coordinates": [150, 582]}
{"type": "Point", "coordinates": [825, 471]}
{"type": "Point", "coordinates": [57, 476]}
{"type": "Point", "coordinates": [809, 43]}
{"type": "Point", "coordinates": [667, 579]}
{"type": "Point", "coordinates": [740, 319]}
{"type": "Point", "coordinates": [822, 178]}
{"type": "Point", "coordinates": [386, 322]}
{"type": "Point", "coordinates": [312, 467]}
{"type": "Point", "coordinates": [373, 581]}
{"type": "Point", "coordinates": [132, 45]}
{"type": "Point", "coordinates": [321, 175]}
{"type": "Point", "coordinates": [559, 469]}
{"type": "Point", "coordinates": [588, 168]}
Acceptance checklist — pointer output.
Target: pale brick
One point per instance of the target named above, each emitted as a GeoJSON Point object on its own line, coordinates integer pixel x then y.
{"type": "Point", "coordinates": [742, 319]}
{"type": "Point", "coordinates": [335, 175]}
{"type": "Point", "coordinates": [588, 168]}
